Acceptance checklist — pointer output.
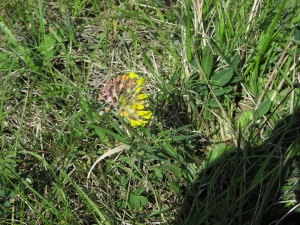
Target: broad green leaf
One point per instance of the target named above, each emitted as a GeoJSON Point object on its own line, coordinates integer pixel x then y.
{"type": "Point", "coordinates": [139, 191]}
{"type": "Point", "coordinates": [3, 56]}
{"type": "Point", "coordinates": [216, 155]}
{"type": "Point", "coordinates": [236, 79]}
{"type": "Point", "coordinates": [207, 61]}
{"type": "Point", "coordinates": [245, 118]}
{"type": "Point", "coordinates": [48, 46]}
{"type": "Point", "coordinates": [270, 94]}
{"type": "Point", "coordinates": [2, 193]}
{"type": "Point", "coordinates": [194, 63]}
{"type": "Point", "coordinates": [170, 168]}
{"type": "Point", "coordinates": [121, 204]}
{"type": "Point", "coordinates": [137, 202]}
{"type": "Point", "coordinates": [223, 77]}
{"type": "Point", "coordinates": [235, 61]}
{"type": "Point", "coordinates": [6, 204]}
{"type": "Point", "coordinates": [264, 108]}
{"type": "Point", "coordinates": [214, 104]}
{"type": "Point", "coordinates": [157, 173]}
{"type": "Point", "coordinates": [219, 92]}
{"type": "Point", "coordinates": [11, 194]}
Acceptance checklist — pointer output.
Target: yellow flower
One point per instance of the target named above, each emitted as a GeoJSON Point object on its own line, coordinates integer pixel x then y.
{"type": "Point", "coordinates": [125, 94]}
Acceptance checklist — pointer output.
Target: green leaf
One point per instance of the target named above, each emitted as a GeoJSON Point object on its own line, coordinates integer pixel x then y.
{"type": "Point", "coordinates": [235, 61]}
{"type": "Point", "coordinates": [3, 56]}
{"type": "Point", "coordinates": [297, 33]}
{"type": "Point", "coordinates": [170, 150]}
{"type": "Point", "coordinates": [2, 193]}
{"type": "Point", "coordinates": [264, 108]}
{"type": "Point", "coordinates": [245, 118]}
{"type": "Point", "coordinates": [214, 104]}
{"type": "Point", "coordinates": [223, 77]}
{"type": "Point", "coordinates": [25, 52]}
{"type": "Point", "coordinates": [101, 131]}
{"type": "Point", "coordinates": [11, 195]}
{"type": "Point", "coordinates": [216, 155]}
{"type": "Point", "coordinates": [270, 94]}
{"type": "Point", "coordinates": [236, 79]}
{"type": "Point", "coordinates": [207, 61]}
{"type": "Point", "coordinates": [219, 92]}
{"type": "Point", "coordinates": [121, 204]}
{"type": "Point", "coordinates": [157, 175]}
{"type": "Point", "coordinates": [6, 204]}
{"type": "Point", "coordinates": [139, 191]}
{"type": "Point", "coordinates": [48, 46]}
{"type": "Point", "coordinates": [57, 34]}
{"type": "Point", "coordinates": [175, 188]}
{"type": "Point", "coordinates": [102, 136]}
{"type": "Point", "coordinates": [137, 202]}
{"type": "Point", "coordinates": [170, 168]}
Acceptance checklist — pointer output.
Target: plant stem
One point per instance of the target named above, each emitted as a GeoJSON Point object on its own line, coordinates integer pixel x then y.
{"type": "Point", "coordinates": [131, 131]}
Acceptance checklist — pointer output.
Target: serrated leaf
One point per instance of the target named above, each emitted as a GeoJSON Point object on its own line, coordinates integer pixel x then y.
{"type": "Point", "coordinates": [223, 77]}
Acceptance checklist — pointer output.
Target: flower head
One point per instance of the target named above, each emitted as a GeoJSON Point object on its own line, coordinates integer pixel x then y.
{"type": "Point", "coordinates": [125, 94]}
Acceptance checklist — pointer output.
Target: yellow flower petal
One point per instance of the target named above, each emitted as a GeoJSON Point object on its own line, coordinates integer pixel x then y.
{"type": "Point", "coordinates": [140, 81]}
{"type": "Point", "coordinates": [142, 96]}
{"type": "Point", "coordinates": [146, 114]}
{"type": "Point", "coordinates": [135, 123]}
{"type": "Point", "coordinates": [137, 106]}
{"type": "Point", "coordinates": [138, 90]}
{"type": "Point", "coordinates": [133, 75]}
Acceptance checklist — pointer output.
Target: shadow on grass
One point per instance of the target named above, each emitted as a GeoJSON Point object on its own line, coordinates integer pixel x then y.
{"type": "Point", "coordinates": [251, 185]}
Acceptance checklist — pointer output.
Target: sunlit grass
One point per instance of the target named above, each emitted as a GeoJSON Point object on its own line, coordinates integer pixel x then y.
{"type": "Point", "coordinates": [221, 147]}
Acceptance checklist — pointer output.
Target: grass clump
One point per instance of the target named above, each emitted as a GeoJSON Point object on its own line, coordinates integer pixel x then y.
{"type": "Point", "coordinates": [222, 146]}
